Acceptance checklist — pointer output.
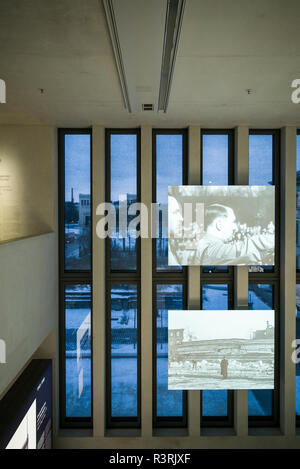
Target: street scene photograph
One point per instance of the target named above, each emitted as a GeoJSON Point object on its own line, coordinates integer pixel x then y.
{"type": "Point", "coordinates": [221, 349]}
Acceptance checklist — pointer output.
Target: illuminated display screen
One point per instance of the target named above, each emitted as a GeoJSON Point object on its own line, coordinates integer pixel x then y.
{"type": "Point", "coordinates": [221, 225]}
{"type": "Point", "coordinates": [231, 349]}
{"type": "Point", "coordinates": [26, 409]}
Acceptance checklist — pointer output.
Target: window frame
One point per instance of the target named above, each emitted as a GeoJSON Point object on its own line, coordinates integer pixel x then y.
{"type": "Point", "coordinates": [121, 422]}
{"type": "Point", "coordinates": [273, 420]}
{"type": "Point", "coordinates": [166, 422]}
{"type": "Point", "coordinates": [164, 277]}
{"type": "Point", "coordinates": [108, 132]}
{"type": "Point", "coordinates": [297, 273]}
{"type": "Point", "coordinates": [225, 277]}
{"type": "Point", "coordinates": [218, 421]}
{"type": "Point", "coordinates": [67, 277]}
{"type": "Point", "coordinates": [121, 277]}
{"type": "Point", "coordinates": [184, 132]}
{"type": "Point", "coordinates": [230, 133]}
{"type": "Point", "coordinates": [160, 277]}
{"type": "Point", "coordinates": [274, 279]}
{"type": "Point", "coordinates": [276, 178]}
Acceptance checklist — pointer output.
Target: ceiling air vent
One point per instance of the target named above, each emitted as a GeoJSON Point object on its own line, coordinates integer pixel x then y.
{"type": "Point", "coordinates": [147, 107]}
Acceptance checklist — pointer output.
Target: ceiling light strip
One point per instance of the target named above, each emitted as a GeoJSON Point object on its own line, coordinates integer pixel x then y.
{"type": "Point", "coordinates": [113, 30]}
{"type": "Point", "coordinates": [174, 16]}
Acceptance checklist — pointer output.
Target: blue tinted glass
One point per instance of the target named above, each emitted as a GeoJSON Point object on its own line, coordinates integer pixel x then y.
{"type": "Point", "coordinates": [169, 403]}
{"type": "Point", "coordinates": [78, 350]}
{"type": "Point", "coordinates": [214, 160]}
{"type": "Point", "coordinates": [124, 351]}
{"type": "Point", "coordinates": [260, 402]}
{"type": "Point", "coordinates": [169, 172]}
{"type": "Point", "coordinates": [261, 172]}
{"type": "Point", "coordinates": [123, 184]}
{"type": "Point", "coordinates": [260, 160]}
{"type": "Point", "coordinates": [214, 170]}
{"type": "Point", "coordinates": [215, 403]}
{"type": "Point", "coordinates": [298, 337]}
{"type": "Point", "coordinates": [77, 202]}
{"type": "Point", "coordinates": [298, 204]}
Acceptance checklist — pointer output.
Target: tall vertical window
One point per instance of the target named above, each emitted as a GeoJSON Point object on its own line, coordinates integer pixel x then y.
{"type": "Point", "coordinates": [169, 283]}
{"type": "Point", "coordinates": [260, 159]}
{"type": "Point", "coordinates": [215, 164]}
{"type": "Point", "coordinates": [77, 209]}
{"type": "Point", "coordinates": [264, 169]}
{"type": "Point", "coordinates": [123, 194]}
{"type": "Point", "coordinates": [123, 366]}
{"type": "Point", "coordinates": [216, 405]}
{"type": "Point", "coordinates": [169, 171]}
{"type": "Point", "coordinates": [78, 350]}
{"type": "Point", "coordinates": [261, 402]}
{"type": "Point", "coordinates": [263, 147]}
{"type": "Point", "coordinates": [217, 169]}
{"type": "Point", "coordinates": [167, 404]}
{"type": "Point", "coordinates": [123, 280]}
{"type": "Point", "coordinates": [75, 275]}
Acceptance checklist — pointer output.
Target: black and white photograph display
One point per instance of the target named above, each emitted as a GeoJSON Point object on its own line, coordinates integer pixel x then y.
{"type": "Point", "coordinates": [221, 349]}
{"type": "Point", "coordinates": [221, 225]}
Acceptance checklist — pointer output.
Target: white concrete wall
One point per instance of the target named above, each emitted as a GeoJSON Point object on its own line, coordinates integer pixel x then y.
{"type": "Point", "coordinates": [28, 281]}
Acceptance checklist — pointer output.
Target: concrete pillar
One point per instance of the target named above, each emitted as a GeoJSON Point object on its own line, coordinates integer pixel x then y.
{"type": "Point", "coordinates": [287, 279]}
{"type": "Point", "coordinates": [98, 314]}
{"type": "Point", "coordinates": [241, 174]}
{"type": "Point", "coordinates": [146, 286]}
{"type": "Point", "coordinates": [194, 178]}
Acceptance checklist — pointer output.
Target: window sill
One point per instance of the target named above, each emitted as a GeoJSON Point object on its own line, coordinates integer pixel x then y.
{"type": "Point", "coordinates": [75, 433]}
{"type": "Point", "coordinates": [265, 431]}
{"type": "Point", "coordinates": [123, 432]}
{"type": "Point", "coordinates": [167, 432]}
{"type": "Point", "coordinates": [217, 431]}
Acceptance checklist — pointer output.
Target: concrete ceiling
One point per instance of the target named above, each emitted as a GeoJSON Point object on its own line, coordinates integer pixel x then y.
{"type": "Point", "coordinates": [225, 48]}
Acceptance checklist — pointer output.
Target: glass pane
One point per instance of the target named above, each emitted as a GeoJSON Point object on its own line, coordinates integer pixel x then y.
{"type": "Point", "coordinates": [260, 172]}
{"type": "Point", "coordinates": [169, 172]}
{"type": "Point", "coordinates": [169, 403]}
{"type": "Point", "coordinates": [298, 362]}
{"type": "Point", "coordinates": [260, 402]}
{"type": "Point", "coordinates": [215, 171]}
{"type": "Point", "coordinates": [260, 160]}
{"type": "Point", "coordinates": [124, 351]}
{"type": "Point", "coordinates": [77, 210]}
{"type": "Point", "coordinates": [298, 205]}
{"type": "Point", "coordinates": [215, 403]}
{"type": "Point", "coordinates": [123, 166]}
{"type": "Point", "coordinates": [214, 160]}
{"type": "Point", "coordinates": [78, 350]}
